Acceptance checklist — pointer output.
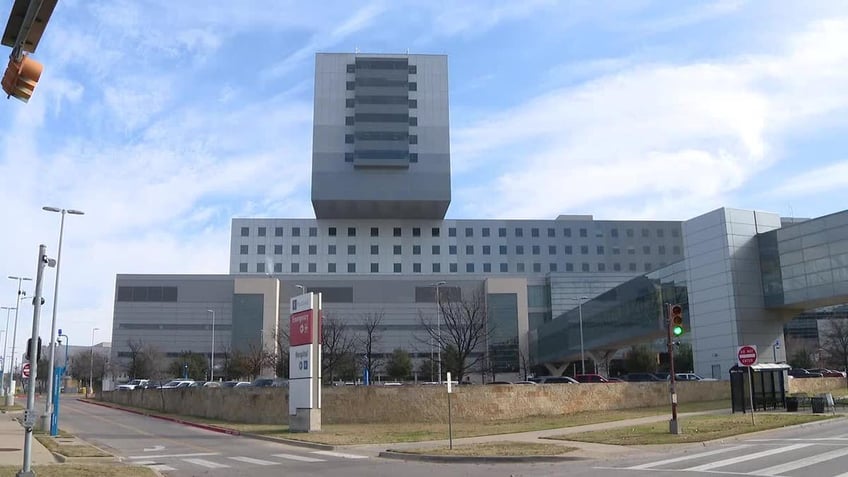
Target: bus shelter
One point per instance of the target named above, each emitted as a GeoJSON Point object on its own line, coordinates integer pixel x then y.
{"type": "Point", "coordinates": [769, 382]}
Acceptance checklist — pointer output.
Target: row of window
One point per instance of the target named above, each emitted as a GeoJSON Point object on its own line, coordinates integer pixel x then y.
{"type": "Point", "coordinates": [452, 267]}
{"type": "Point", "coordinates": [469, 250]}
{"type": "Point", "coordinates": [402, 155]}
{"type": "Point", "coordinates": [411, 138]}
{"type": "Point", "coordinates": [469, 232]}
{"type": "Point", "coordinates": [382, 64]}
{"type": "Point", "coordinates": [380, 82]}
{"type": "Point", "coordinates": [380, 118]}
{"type": "Point", "coordinates": [381, 99]}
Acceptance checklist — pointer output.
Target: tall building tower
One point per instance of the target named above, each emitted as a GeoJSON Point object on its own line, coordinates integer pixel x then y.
{"type": "Point", "coordinates": [381, 144]}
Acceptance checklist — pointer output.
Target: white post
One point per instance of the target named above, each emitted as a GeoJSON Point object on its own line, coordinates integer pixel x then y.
{"type": "Point", "coordinates": [91, 364]}
{"type": "Point", "coordinates": [212, 357]}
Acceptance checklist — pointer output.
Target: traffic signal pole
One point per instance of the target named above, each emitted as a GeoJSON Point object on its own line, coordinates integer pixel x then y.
{"type": "Point", "coordinates": [673, 425]}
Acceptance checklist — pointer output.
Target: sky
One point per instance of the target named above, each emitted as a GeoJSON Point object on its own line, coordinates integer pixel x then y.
{"type": "Point", "coordinates": [163, 120]}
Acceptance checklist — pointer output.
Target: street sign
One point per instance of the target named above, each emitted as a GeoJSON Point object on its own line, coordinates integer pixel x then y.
{"type": "Point", "coordinates": [25, 371]}
{"type": "Point", "coordinates": [747, 355]}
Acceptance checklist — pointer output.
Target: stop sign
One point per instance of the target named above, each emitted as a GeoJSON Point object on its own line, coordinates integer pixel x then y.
{"type": "Point", "coordinates": [747, 355]}
{"type": "Point", "coordinates": [25, 370]}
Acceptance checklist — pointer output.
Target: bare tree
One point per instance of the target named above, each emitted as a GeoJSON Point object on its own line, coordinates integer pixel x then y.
{"type": "Point", "coordinates": [255, 358]}
{"type": "Point", "coordinates": [135, 366]}
{"type": "Point", "coordinates": [371, 338]}
{"type": "Point", "coordinates": [337, 344]}
{"type": "Point", "coordinates": [83, 366]}
{"type": "Point", "coordinates": [464, 329]}
{"type": "Point", "coordinates": [281, 364]}
{"type": "Point", "coordinates": [835, 343]}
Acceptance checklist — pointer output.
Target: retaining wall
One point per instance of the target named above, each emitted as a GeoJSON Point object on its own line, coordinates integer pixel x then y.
{"type": "Point", "coordinates": [815, 385]}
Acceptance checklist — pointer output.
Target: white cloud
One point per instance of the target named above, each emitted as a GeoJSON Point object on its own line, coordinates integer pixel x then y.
{"type": "Point", "coordinates": [833, 177]}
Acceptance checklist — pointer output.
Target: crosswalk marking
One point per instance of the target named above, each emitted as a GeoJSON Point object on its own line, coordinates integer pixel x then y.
{"type": "Point", "coordinates": [300, 458]}
{"type": "Point", "coordinates": [686, 457]}
{"type": "Point", "coordinates": [162, 467]}
{"type": "Point", "coordinates": [747, 457]}
{"type": "Point", "coordinates": [206, 463]}
{"type": "Point", "coordinates": [800, 463]}
{"type": "Point", "coordinates": [251, 460]}
{"type": "Point", "coordinates": [340, 454]}
{"type": "Point", "coordinates": [165, 456]}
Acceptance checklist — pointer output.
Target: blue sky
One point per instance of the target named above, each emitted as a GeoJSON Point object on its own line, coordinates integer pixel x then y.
{"type": "Point", "coordinates": [162, 120]}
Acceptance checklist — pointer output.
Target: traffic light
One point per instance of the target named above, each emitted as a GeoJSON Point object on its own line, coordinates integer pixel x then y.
{"type": "Point", "coordinates": [676, 319]}
{"type": "Point", "coordinates": [20, 78]}
{"type": "Point", "coordinates": [37, 353]}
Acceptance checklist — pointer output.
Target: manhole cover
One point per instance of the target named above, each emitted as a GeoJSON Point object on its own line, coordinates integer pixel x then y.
{"type": "Point", "coordinates": [8, 449]}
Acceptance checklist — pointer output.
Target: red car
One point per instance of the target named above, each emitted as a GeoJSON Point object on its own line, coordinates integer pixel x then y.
{"type": "Point", "coordinates": [591, 378]}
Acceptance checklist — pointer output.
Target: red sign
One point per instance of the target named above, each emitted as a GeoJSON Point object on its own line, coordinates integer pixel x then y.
{"type": "Point", "coordinates": [25, 370]}
{"type": "Point", "coordinates": [300, 329]}
{"type": "Point", "coordinates": [747, 355]}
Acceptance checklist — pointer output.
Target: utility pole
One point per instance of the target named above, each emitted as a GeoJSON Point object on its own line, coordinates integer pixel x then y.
{"type": "Point", "coordinates": [673, 425]}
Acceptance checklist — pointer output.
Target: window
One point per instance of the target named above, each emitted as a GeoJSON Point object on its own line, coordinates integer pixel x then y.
{"type": "Point", "coordinates": [312, 267]}
{"type": "Point", "coordinates": [295, 249]}
{"type": "Point", "coordinates": [375, 232]}
{"type": "Point", "coordinates": [351, 231]}
{"type": "Point", "coordinates": [567, 249]}
{"type": "Point", "coordinates": [566, 232]}
{"type": "Point", "coordinates": [469, 268]}
{"type": "Point", "coordinates": [260, 250]}
{"type": "Point", "coordinates": [413, 86]}
{"type": "Point", "coordinates": [661, 249]}
{"type": "Point", "coordinates": [487, 249]}
{"type": "Point", "coordinates": [331, 268]}
{"type": "Point", "coordinates": [660, 233]}
{"type": "Point", "coordinates": [648, 267]}
{"type": "Point", "coordinates": [537, 268]}
{"type": "Point", "coordinates": [646, 233]}
{"type": "Point", "coordinates": [584, 250]}
{"type": "Point", "coordinates": [437, 268]}
{"type": "Point", "coordinates": [519, 232]}
{"type": "Point", "coordinates": [469, 232]}
{"type": "Point", "coordinates": [375, 268]}
{"type": "Point", "coordinates": [519, 267]}
{"type": "Point", "coordinates": [416, 268]}
{"type": "Point", "coordinates": [552, 267]}
{"type": "Point", "coordinates": [629, 233]}
{"type": "Point", "coordinates": [551, 232]}
{"type": "Point", "coordinates": [261, 231]}
{"type": "Point", "coordinates": [278, 231]}
{"type": "Point", "coordinates": [519, 249]}
{"type": "Point", "coordinates": [616, 267]}
{"type": "Point", "coordinates": [675, 233]}
{"type": "Point", "coordinates": [452, 232]}
{"type": "Point", "coordinates": [331, 231]}
{"type": "Point", "coordinates": [616, 251]}
{"type": "Point", "coordinates": [349, 139]}
{"type": "Point", "coordinates": [375, 250]}
{"type": "Point", "coordinates": [569, 267]}
{"type": "Point", "coordinates": [396, 268]}
{"type": "Point", "coordinates": [452, 249]}
{"type": "Point", "coordinates": [535, 250]}
{"type": "Point", "coordinates": [600, 249]}
{"type": "Point", "coordinates": [584, 267]}
{"type": "Point", "coordinates": [397, 249]}
{"type": "Point", "coordinates": [584, 232]}
{"type": "Point", "coordinates": [416, 231]}
{"type": "Point", "coordinates": [295, 268]}
{"type": "Point", "coordinates": [350, 103]}
{"type": "Point", "coordinates": [413, 103]}
{"type": "Point", "coordinates": [295, 231]}
{"type": "Point", "coordinates": [413, 157]}
{"type": "Point", "coordinates": [313, 250]}
{"type": "Point", "coordinates": [351, 68]}
{"type": "Point", "coordinates": [435, 231]}
{"type": "Point", "coordinates": [413, 69]}
{"type": "Point", "coordinates": [396, 232]}
{"type": "Point", "coordinates": [551, 249]}
{"type": "Point", "coordinates": [469, 249]}
{"type": "Point", "coordinates": [313, 231]}
{"type": "Point", "coordinates": [487, 268]}
{"type": "Point", "coordinates": [436, 250]}
{"type": "Point", "coordinates": [502, 232]}
{"type": "Point", "coordinates": [348, 120]}
{"type": "Point", "coordinates": [614, 233]}
{"type": "Point", "coordinates": [245, 231]}
{"type": "Point", "coordinates": [350, 85]}
{"type": "Point", "coordinates": [260, 267]}
{"type": "Point", "coordinates": [331, 249]}
{"type": "Point", "coordinates": [631, 266]}
{"type": "Point", "coordinates": [351, 249]}
{"type": "Point", "coordinates": [413, 139]}
{"type": "Point", "coordinates": [278, 268]}
{"type": "Point", "coordinates": [413, 121]}
{"type": "Point", "coordinates": [453, 268]}
{"type": "Point", "coordinates": [602, 267]}
{"type": "Point", "coordinates": [502, 249]}
{"type": "Point", "coordinates": [485, 231]}
{"type": "Point", "coordinates": [278, 249]}
{"type": "Point", "coordinates": [351, 268]}
{"type": "Point", "coordinates": [675, 250]}
{"type": "Point", "coordinates": [416, 249]}
{"type": "Point", "coordinates": [534, 232]}
{"type": "Point", "coordinates": [631, 250]}
{"type": "Point", "coordinates": [646, 249]}
{"type": "Point", "coordinates": [243, 250]}
{"type": "Point", "coordinates": [504, 267]}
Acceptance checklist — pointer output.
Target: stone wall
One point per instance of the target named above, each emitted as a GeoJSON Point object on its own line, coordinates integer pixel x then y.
{"type": "Point", "coordinates": [378, 404]}
{"type": "Point", "coordinates": [815, 385]}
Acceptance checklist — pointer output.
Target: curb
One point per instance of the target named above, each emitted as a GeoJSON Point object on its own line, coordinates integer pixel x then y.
{"type": "Point", "coordinates": [457, 459]}
{"type": "Point", "coordinates": [213, 428]}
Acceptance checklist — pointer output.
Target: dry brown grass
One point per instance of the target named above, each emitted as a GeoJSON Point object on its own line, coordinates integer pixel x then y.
{"type": "Point", "coordinates": [81, 470]}
{"type": "Point", "coordinates": [490, 449]}
{"type": "Point", "coordinates": [78, 449]}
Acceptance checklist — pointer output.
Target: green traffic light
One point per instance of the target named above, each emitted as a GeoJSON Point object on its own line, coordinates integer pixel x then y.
{"type": "Point", "coordinates": [677, 330]}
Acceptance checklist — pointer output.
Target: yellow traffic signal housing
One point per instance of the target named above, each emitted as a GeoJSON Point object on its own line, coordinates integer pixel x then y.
{"type": "Point", "coordinates": [20, 78]}
{"type": "Point", "coordinates": [676, 315]}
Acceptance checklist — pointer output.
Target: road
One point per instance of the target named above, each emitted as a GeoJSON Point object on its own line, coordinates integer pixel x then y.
{"type": "Point", "coordinates": [817, 450]}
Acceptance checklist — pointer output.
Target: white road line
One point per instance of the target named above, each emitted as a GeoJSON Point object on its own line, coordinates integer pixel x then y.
{"type": "Point", "coordinates": [809, 439]}
{"type": "Point", "coordinates": [162, 467]}
{"type": "Point", "coordinates": [686, 457]}
{"type": "Point", "coordinates": [251, 460]}
{"type": "Point", "coordinates": [301, 458]}
{"type": "Point", "coordinates": [800, 463]}
{"type": "Point", "coordinates": [165, 456]}
{"type": "Point", "coordinates": [747, 457]}
{"type": "Point", "coordinates": [206, 463]}
{"type": "Point", "coordinates": [340, 454]}
{"type": "Point", "coordinates": [144, 462]}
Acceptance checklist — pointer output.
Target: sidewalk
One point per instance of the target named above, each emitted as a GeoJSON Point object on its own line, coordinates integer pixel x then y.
{"type": "Point", "coordinates": [12, 443]}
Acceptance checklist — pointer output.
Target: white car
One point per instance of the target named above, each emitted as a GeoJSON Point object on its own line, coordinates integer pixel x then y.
{"type": "Point", "coordinates": [178, 383]}
{"type": "Point", "coordinates": [691, 377]}
{"type": "Point", "coordinates": [134, 384]}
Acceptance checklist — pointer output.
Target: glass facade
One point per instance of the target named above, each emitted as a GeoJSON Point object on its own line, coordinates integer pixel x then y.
{"type": "Point", "coordinates": [503, 328]}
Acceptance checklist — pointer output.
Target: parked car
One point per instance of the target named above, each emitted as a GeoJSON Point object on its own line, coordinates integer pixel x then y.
{"type": "Point", "coordinates": [229, 384]}
{"type": "Point", "coordinates": [640, 377]}
{"type": "Point", "coordinates": [197, 384]}
{"type": "Point", "coordinates": [828, 373]}
{"type": "Point", "coordinates": [525, 382]}
{"type": "Point", "coordinates": [499, 382]}
{"type": "Point", "coordinates": [177, 383]}
{"type": "Point", "coordinates": [263, 383]}
{"type": "Point", "coordinates": [803, 373]}
{"type": "Point", "coordinates": [152, 384]}
{"type": "Point", "coordinates": [212, 384]}
{"type": "Point", "coordinates": [554, 380]}
{"type": "Point", "coordinates": [590, 378]}
{"type": "Point", "coordinates": [243, 384]}
{"type": "Point", "coordinates": [662, 375]}
{"type": "Point", "coordinates": [691, 377]}
{"type": "Point", "coordinates": [134, 384]}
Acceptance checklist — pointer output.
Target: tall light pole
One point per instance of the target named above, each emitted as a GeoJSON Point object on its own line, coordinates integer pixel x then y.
{"type": "Point", "coordinates": [10, 396]}
{"type": "Point", "coordinates": [580, 315]}
{"type": "Point", "coordinates": [91, 363]}
{"type": "Point", "coordinates": [48, 408]}
{"type": "Point", "coordinates": [302, 289]}
{"type": "Point", "coordinates": [212, 357]}
{"type": "Point", "coordinates": [439, 327]}
{"type": "Point", "coordinates": [5, 343]}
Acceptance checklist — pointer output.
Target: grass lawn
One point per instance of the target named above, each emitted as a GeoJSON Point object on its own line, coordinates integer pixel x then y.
{"type": "Point", "coordinates": [15, 407]}
{"type": "Point", "coordinates": [694, 429]}
{"type": "Point", "coordinates": [489, 449]}
{"type": "Point", "coordinates": [81, 470]}
{"type": "Point", "coordinates": [76, 449]}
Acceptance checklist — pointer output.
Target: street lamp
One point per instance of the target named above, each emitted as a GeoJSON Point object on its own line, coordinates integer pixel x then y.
{"type": "Point", "coordinates": [5, 343]}
{"type": "Point", "coordinates": [91, 363]}
{"type": "Point", "coordinates": [439, 327]}
{"type": "Point", "coordinates": [580, 315]}
{"type": "Point", "coordinates": [10, 395]}
{"type": "Point", "coordinates": [49, 400]}
{"type": "Point", "coordinates": [302, 289]}
{"type": "Point", "coordinates": [212, 357]}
